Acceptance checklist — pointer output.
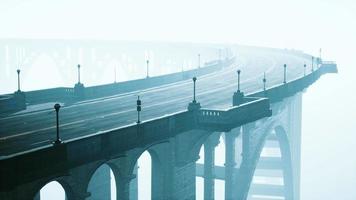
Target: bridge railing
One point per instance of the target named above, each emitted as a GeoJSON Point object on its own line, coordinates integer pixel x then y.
{"type": "Point", "coordinates": [67, 94]}
{"type": "Point", "coordinates": [254, 107]}
{"type": "Point", "coordinates": [280, 91]}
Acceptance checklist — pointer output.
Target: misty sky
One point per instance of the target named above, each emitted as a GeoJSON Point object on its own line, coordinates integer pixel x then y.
{"type": "Point", "coordinates": [329, 143]}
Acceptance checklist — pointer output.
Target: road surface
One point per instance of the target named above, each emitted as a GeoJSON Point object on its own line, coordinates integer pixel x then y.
{"type": "Point", "coordinates": [31, 129]}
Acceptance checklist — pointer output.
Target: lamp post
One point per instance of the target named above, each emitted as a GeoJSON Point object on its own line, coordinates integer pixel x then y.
{"type": "Point", "coordinates": [264, 81]}
{"type": "Point", "coordinates": [18, 80]}
{"type": "Point", "coordinates": [147, 62]}
{"type": "Point", "coordinates": [305, 66]}
{"type": "Point", "coordinates": [194, 80]}
{"type": "Point", "coordinates": [238, 80]}
{"type": "Point", "coordinates": [285, 73]}
{"type": "Point", "coordinates": [138, 103]}
{"type": "Point", "coordinates": [312, 64]}
{"type": "Point", "coordinates": [57, 107]}
{"type": "Point", "coordinates": [199, 60]}
{"type": "Point", "coordinates": [115, 74]}
{"type": "Point", "coordinates": [78, 73]}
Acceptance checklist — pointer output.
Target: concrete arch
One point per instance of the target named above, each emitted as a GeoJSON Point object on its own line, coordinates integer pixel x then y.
{"type": "Point", "coordinates": [282, 139]}
{"type": "Point", "coordinates": [99, 183]}
{"type": "Point", "coordinates": [286, 157]}
{"type": "Point", "coordinates": [60, 180]}
{"type": "Point", "coordinates": [199, 142]}
{"type": "Point", "coordinates": [158, 152]}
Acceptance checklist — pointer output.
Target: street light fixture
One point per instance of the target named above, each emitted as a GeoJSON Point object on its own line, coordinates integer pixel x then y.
{"type": "Point", "coordinates": [78, 73]}
{"type": "Point", "coordinates": [147, 62]}
{"type": "Point", "coordinates": [57, 106]}
{"type": "Point", "coordinates": [194, 80]}
{"type": "Point", "coordinates": [238, 80]}
{"type": "Point", "coordinates": [199, 60]}
{"type": "Point", "coordinates": [138, 103]}
{"type": "Point", "coordinates": [18, 80]}
{"type": "Point", "coordinates": [285, 73]}
{"type": "Point", "coordinates": [264, 81]}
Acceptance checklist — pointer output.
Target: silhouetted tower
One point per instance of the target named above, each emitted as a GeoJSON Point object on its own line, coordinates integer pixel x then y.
{"type": "Point", "coordinates": [18, 80]}
{"type": "Point", "coordinates": [57, 107]}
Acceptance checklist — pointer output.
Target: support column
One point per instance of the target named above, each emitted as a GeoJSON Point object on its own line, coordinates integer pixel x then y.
{"type": "Point", "coordinates": [209, 158]}
{"type": "Point", "coordinates": [230, 163]}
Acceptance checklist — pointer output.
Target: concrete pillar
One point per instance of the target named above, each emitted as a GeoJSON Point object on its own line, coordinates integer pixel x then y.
{"type": "Point", "coordinates": [230, 163]}
{"type": "Point", "coordinates": [133, 192]}
{"type": "Point", "coordinates": [38, 196]}
{"type": "Point", "coordinates": [246, 143]}
{"type": "Point", "coordinates": [209, 158]}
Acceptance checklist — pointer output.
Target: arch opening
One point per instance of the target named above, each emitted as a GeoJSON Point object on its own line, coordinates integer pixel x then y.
{"type": "Point", "coordinates": [140, 187]}
{"type": "Point", "coordinates": [51, 191]}
{"type": "Point", "coordinates": [272, 171]}
{"type": "Point", "coordinates": [102, 184]}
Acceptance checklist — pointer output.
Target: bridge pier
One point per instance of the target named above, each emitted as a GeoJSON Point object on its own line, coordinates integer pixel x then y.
{"type": "Point", "coordinates": [230, 162]}
{"type": "Point", "coordinates": [209, 164]}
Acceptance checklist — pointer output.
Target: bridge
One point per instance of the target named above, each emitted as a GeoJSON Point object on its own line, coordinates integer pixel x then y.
{"type": "Point", "coordinates": [99, 125]}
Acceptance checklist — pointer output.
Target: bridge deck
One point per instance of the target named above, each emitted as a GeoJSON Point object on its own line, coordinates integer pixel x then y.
{"type": "Point", "coordinates": [28, 130]}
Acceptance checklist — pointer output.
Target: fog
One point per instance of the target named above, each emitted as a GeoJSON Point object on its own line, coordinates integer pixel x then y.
{"type": "Point", "coordinates": [329, 110]}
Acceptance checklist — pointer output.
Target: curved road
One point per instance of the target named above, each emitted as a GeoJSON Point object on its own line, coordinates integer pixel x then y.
{"type": "Point", "coordinates": [28, 130]}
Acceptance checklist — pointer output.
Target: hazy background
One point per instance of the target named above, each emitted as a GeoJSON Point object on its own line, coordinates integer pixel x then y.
{"type": "Point", "coordinates": [329, 111]}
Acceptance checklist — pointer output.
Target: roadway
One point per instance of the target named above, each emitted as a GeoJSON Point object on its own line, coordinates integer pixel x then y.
{"type": "Point", "coordinates": [31, 129]}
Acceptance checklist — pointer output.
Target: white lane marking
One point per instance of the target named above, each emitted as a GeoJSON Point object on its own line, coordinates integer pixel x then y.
{"type": "Point", "coordinates": [40, 142]}
{"type": "Point", "coordinates": [42, 129]}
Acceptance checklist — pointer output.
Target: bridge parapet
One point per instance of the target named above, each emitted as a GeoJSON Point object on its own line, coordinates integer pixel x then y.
{"type": "Point", "coordinates": [223, 120]}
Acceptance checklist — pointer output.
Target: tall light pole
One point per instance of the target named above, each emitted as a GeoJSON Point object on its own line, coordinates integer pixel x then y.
{"type": "Point", "coordinates": [147, 62]}
{"type": "Point", "coordinates": [114, 74]}
{"type": "Point", "coordinates": [285, 73]}
{"type": "Point", "coordinates": [238, 80]}
{"type": "Point", "coordinates": [57, 107]}
{"type": "Point", "coordinates": [219, 54]}
{"type": "Point", "coordinates": [312, 69]}
{"type": "Point", "coordinates": [199, 60]}
{"type": "Point", "coordinates": [138, 103]}
{"type": "Point", "coordinates": [18, 80]}
{"type": "Point", "coordinates": [305, 66]}
{"type": "Point", "coordinates": [194, 80]}
{"type": "Point", "coordinates": [264, 81]}
{"type": "Point", "coordinates": [78, 73]}
{"type": "Point", "coordinates": [320, 54]}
